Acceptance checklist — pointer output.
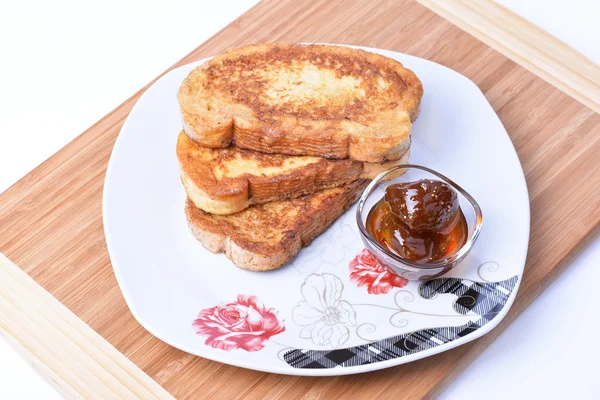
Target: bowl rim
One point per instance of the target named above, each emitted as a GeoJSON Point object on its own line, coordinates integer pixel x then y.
{"type": "Point", "coordinates": [459, 255]}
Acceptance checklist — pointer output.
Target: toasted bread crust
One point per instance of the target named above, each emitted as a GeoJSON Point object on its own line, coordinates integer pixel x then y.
{"type": "Point", "coordinates": [268, 236]}
{"type": "Point", "coordinates": [225, 181]}
{"type": "Point", "coordinates": [314, 100]}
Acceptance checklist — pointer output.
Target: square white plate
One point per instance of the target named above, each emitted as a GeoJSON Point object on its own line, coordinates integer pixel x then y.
{"type": "Point", "coordinates": [312, 316]}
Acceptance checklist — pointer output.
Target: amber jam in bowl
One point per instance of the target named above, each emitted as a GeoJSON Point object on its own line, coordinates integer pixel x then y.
{"type": "Point", "coordinates": [403, 176]}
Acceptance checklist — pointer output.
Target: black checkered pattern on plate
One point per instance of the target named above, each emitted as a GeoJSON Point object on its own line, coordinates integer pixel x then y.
{"type": "Point", "coordinates": [484, 299]}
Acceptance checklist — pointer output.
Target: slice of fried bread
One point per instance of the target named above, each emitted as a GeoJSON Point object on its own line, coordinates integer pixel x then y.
{"type": "Point", "coordinates": [267, 236]}
{"type": "Point", "coordinates": [314, 100]}
{"type": "Point", "coordinates": [225, 181]}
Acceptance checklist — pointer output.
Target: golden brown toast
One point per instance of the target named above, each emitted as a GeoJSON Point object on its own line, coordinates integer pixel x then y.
{"type": "Point", "coordinates": [315, 100]}
{"type": "Point", "coordinates": [268, 236]}
{"type": "Point", "coordinates": [225, 181]}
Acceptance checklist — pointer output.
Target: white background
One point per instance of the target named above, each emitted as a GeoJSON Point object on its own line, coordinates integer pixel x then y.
{"type": "Point", "coordinates": [65, 64]}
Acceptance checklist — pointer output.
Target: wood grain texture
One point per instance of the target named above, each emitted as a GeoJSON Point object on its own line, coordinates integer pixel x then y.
{"type": "Point", "coordinates": [52, 227]}
{"type": "Point", "coordinates": [78, 362]}
{"type": "Point", "coordinates": [527, 44]}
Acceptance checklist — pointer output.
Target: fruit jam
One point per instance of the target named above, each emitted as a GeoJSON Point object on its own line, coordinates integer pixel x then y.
{"type": "Point", "coordinates": [420, 221]}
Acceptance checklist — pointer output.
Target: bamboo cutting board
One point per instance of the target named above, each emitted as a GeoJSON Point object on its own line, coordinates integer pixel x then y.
{"type": "Point", "coordinates": [51, 222]}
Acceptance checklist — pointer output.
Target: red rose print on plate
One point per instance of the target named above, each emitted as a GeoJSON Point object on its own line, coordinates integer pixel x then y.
{"type": "Point", "coordinates": [243, 324]}
{"type": "Point", "coordinates": [366, 270]}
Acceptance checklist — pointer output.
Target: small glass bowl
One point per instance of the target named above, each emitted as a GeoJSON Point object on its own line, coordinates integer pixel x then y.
{"type": "Point", "coordinates": [399, 265]}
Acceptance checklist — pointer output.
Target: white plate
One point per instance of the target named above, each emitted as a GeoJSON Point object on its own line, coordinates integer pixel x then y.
{"type": "Point", "coordinates": [167, 277]}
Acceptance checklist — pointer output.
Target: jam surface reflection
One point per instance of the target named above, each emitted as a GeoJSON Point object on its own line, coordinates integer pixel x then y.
{"type": "Point", "coordinates": [420, 221]}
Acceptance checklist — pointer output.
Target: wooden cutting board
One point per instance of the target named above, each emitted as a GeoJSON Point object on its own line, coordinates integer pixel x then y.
{"type": "Point", "coordinates": [51, 220]}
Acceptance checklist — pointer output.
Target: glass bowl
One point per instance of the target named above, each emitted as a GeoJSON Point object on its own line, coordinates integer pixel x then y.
{"type": "Point", "coordinates": [395, 263]}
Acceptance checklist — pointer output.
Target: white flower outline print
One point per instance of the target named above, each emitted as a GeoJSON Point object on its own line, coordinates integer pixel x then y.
{"type": "Point", "coordinates": [330, 248]}
{"type": "Point", "coordinates": [322, 313]}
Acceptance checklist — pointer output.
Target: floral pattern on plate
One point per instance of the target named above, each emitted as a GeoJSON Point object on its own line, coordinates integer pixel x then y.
{"type": "Point", "coordinates": [366, 270]}
{"type": "Point", "coordinates": [483, 301]}
{"type": "Point", "coordinates": [325, 317]}
{"type": "Point", "coordinates": [243, 324]}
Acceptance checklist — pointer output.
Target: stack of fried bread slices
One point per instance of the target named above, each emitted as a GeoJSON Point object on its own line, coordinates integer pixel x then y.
{"type": "Point", "coordinates": [279, 140]}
